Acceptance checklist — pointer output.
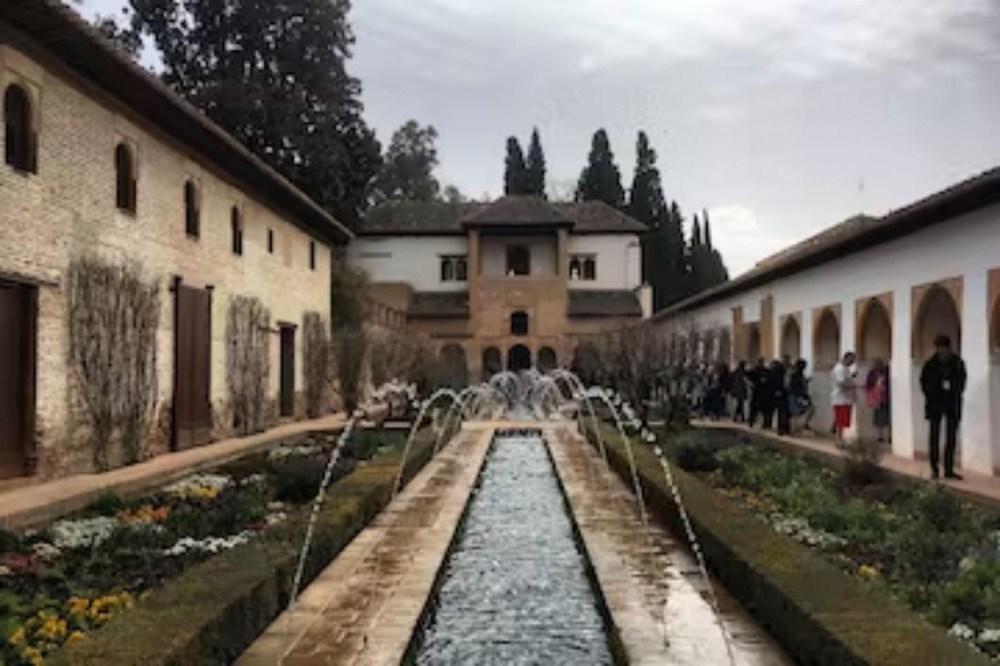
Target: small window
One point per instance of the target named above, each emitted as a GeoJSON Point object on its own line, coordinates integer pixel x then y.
{"type": "Point", "coordinates": [192, 216]}
{"type": "Point", "coordinates": [519, 323]}
{"type": "Point", "coordinates": [270, 241]}
{"type": "Point", "coordinates": [236, 228]}
{"type": "Point", "coordinates": [125, 189]}
{"type": "Point", "coordinates": [583, 267]}
{"type": "Point", "coordinates": [312, 255]}
{"type": "Point", "coordinates": [454, 268]}
{"type": "Point", "coordinates": [20, 149]}
{"type": "Point", "coordinates": [518, 260]}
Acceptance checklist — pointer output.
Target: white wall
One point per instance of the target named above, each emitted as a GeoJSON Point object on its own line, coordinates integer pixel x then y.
{"type": "Point", "coordinates": [411, 259]}
{"type": "Point", "coordinates": [618, 260]}
{"type": "Point", "coordinates": [965, 247]}
{"type": "Point", "coordinates": [542, 249]}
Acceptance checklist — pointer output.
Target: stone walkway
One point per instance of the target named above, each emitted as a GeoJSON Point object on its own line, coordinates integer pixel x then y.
{"type": "Point", "coordinates": [27, 505]}
{"type": "Point", "coordinates": [653, 588]}
{"type": "Point", "coordinates": [364, 607]}
{"type": "Point", "coordinates": [975, 486]}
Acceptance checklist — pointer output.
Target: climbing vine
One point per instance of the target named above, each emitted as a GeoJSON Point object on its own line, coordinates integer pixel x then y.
{"type": "Point", "coordinates": [316, 360]}
{"type": "Point", "coordinates": [113, 317]}
{"type": "Point", "coordinates": [349, 311]}
{"type": "Point", "coordinates": [248, 362]}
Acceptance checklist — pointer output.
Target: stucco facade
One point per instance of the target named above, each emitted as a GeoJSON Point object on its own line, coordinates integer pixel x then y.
{"type": "Point", "coordinates": [67, 208]}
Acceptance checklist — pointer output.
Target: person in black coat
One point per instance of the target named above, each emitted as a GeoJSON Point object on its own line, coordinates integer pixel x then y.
{"type": "Point", "coordinates": [758, 393]}
{"type": "Point", "coordinates": [942, 381]}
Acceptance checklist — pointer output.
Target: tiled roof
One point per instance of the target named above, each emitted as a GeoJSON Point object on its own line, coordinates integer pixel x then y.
{"type": "Point", "coordinates": [603, 303]}
{"type": "Point", "coordinates": [63, 34]}
{"type": "Point", "coordinates": [856, 234]}
{"type": "Point", "coordinates": [438, 218]}
{"type": "Point", "coordinates": [439, 304]}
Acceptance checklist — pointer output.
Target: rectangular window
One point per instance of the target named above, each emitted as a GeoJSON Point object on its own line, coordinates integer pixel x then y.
{"type": "Point", "coordinates": [270, 241]}
{"type": "Point", "coordinates": [312, 255]}
{"type": "Point", "coordinates": [583, 267]}
{"type": "Point", "coordinates": [454, 268]}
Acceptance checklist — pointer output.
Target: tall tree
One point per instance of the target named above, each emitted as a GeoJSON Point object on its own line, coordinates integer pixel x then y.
{"type": "Point", "coordinates": [601, 179]}
{"type": "Point", "coordinates": [515, 177]}
{"type": "Point", "coordinates": [272, 73]}
{"type": "Point", "coordinates": [407, 172]}
{"type": "Point", "coordinates": [536, 166]}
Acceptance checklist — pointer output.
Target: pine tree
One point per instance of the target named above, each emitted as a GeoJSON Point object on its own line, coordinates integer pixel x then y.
{"type": "Point", "coordinates": [407, 172]}
{"type": "Point", "coordinates": [601, 179]}
{"type": "Point", "coordinates": [675, 282]}
{"type": "Point", "coordinates": [535, 167]}
{"type": "Point", "coordinates": [708, 230]}
{"type": "Point", "coordinates": [515, 179]}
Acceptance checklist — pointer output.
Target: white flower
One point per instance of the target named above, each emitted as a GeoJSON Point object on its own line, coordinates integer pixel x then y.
{"type": "Point", "coordinates": [83, 533]}
{"type": "Point", "coordinates": [275, 506]}
{"type": "Point", "coordinates": [208, 544]}
{"type": "Point", "coordinates": [276, 517]}
{"type": "Point", "coordinates": [962, 631]}
{"type": "Point", "coordinates": [989, 636]}
{"type": "Point", "coordinates": [46, 550]}
{"type": "Point", "coordinates": [197, 482]}
{"type": "Point", "coordinates": [4, 571]}
{"type": "Point", "coordinates": [283, 452]}
{"type": "Point", "coordinates": [253, 480]}
{"type": "Point", "coordinates": [650, 437]}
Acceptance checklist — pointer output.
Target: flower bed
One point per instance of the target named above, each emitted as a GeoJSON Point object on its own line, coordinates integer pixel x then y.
{"type": "Point", "coordinates": [928, 548]}
{"type": "Point", "coordinates": [60, 583]}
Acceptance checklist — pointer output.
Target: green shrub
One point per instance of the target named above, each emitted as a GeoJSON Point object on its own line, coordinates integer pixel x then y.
{"type": "Point", "coordinates": [107, 504]}
{"type": "Point", "coordinates": [695, 455]}
{"type": "Point", "coordinates": [973, 597]}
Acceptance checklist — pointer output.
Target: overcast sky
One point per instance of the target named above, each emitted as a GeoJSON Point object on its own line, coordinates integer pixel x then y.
{"type": "Point", "coordinates": [781, 117]}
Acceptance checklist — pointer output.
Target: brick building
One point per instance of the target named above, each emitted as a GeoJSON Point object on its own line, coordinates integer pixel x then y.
{"type": "Point", "coordinates": [101, 159]}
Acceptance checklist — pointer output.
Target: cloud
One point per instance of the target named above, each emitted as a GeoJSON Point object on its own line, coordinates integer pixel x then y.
{"type": "Point", "coordinates": [743, 240]}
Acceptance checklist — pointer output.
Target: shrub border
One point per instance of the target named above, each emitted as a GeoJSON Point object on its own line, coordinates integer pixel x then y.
{"type": "Point", "coordinates": [213, 611]}
{"type": "Point", "coordinates": [818, 613]}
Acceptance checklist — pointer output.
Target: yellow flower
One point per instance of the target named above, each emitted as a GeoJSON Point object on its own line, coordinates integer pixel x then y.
{"type": "Point", "coordinates": [17, 636]}
{"type": "Point", "coordinates": [76, 637]}
{"type": "Point", "coordinates": [33, 655]}
{"type": "Point", "coordinates": [868, 572]}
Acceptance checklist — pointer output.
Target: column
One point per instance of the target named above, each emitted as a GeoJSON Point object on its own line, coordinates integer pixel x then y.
{"type": "Point", "coordinates": [847, 339]}
{"type": "Point", "coordinates": [907, 408]}
{"type": "Point", "coordinates": [975, 434]}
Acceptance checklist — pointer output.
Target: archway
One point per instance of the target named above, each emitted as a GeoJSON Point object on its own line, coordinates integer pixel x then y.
{"type": "Point", "coordinates": [725, 347]}
{"type": "Point", "coordinates": [791, 339]}
{"type": "Point", "coordinates": [546, 359]}
{"type": "Point", "coordinates": [875, 332]}
{"type": "Point", "coordinates": [753, 343]}
{"type": "Point", "coordinates": [586, 363]}
{"type": "Point", "coordinates": [452, 369]}
{"type": "Point", "coordinates": [518, 358]}
{"type": "Point", "coordinates": [492, 362]}
{"type": "Point", "coordinates": [937, 315]}
{"type": "Point", "coordinates": [826, 348]}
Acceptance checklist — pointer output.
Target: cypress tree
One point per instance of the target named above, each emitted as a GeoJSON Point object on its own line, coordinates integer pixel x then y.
{"type": "Point", "coordinates": [535, 167]}
{"type": "Point", "coordinates": [708, 230]}
{"type": "Point", "coordinates": [515, 179]}
{"type": "Point", "coordinates": [601, 179]}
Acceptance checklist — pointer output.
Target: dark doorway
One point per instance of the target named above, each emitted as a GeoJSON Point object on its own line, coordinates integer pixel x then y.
{"type": "Point", "coordinates": [287, 398]}
{"type": "Point", "coordinates": [17, 364]}
{"type": "Point", "coordinates": [192, 367]}
{"type": "Point", "coordinates": [492, 362]}
{"type": "Point", "coordinates": [518, 260]}
{"type": "Point", "coordinates": [546, 359]}
{"type": "Point", "coordinates": [518, 358]}
{"type": "Point", "coordinates": [453, 370]}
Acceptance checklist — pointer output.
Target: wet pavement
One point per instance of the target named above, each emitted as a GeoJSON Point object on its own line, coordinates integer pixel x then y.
{"type": "Point", "coordinates": [654, 590]}
{"type": "Point", "coordinates": [515, 589]}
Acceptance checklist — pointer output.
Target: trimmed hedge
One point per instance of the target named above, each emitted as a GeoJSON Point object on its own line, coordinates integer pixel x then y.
{"type": "Point", "coordinates": [213, 611]}
{"type": "Point", "coordinates": [818, 613]}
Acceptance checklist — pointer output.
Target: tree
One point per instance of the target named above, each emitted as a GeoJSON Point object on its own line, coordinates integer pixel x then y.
{"type": "Point", "coordinates": [600, 179]}
{"type": "Point", "coordinates": [451, 194]}
{"type": "Point", "coordinates": [126, 39]}
{"type": "Point", "coordinates": [273, 75]}
{"type": "Point", "coordinates": [349, 312]}
{"type": "Point", "coordinates": [407, 172]}
{"type": "Point", "coordinates": [536, 166]}
{"type": "Point", "coordinates": [515, 177]}
{"type": "Point", "coordinates": [717, 271]}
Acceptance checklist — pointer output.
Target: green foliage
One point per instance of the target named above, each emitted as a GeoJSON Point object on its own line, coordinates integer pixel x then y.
{"type": "Point", "coordinates": [601, 180]}
{"type": "Point", "coordinates": [296, 479]}
{"type": "Point", "coordinates": [273, 75]}
{"type": "Point", "coordinates": [350, 308]}
{"type": "Point", "coordinates": [407, 172]}
{"type": "Point", "coordinates": [515, 176]}
{"type": "Point", "coordinates": [535, 166]}
{"type": "Point", "coordinates": [974, 597]}
{"type": "Point", "coordinates": [107, 504]}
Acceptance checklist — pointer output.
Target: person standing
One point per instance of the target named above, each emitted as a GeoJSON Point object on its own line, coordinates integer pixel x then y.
{"type": "Point", "coordinates": [779, 396]}
{"type": "Point", "coordinates": [738, 389]}
{"type": "Point", "coordinates": [877, 393]}
{"type": "Point", "coordinates": [842, 393]}
{"type": "Point", "coordinates": [800, 402]}
{"type": "Point", "coordinates": [758, 392]}
{"type": "Point", "coordinates": [942, 380]}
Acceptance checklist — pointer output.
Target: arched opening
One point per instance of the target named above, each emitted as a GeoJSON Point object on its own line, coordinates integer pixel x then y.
{"type": "Point", "coordinates": [452, 369]}
{"type": "Point", "coordinates": [125, 190]}
{"type": "Point", "coordinates": [725, 347]}
{"type": "Point", "coordinates": [937, 315]}
{"type": "Point", "coordinates": [19, 138]}
{"type": "Point", "coordinates": [518, 358]}
{"type": "Point", "coordinates": [492, 362]}
{"type": "Point", "coordinates": [753, 343]}
{"type": "Point", "coordinates": [236, 228]}
{"type": "Point", "coordinates": [518, 260]}
{"type": "Point", "coordinates": [791, 339]}
{"type": "Point", "coordinates": [826, 348]}
{"type": "Point", "coordinates": [192, 221]}
{"type": "Point", "coordinates": [875, 332]}
{"type": "Point", "coordinates": [519, 323]}
{"type": "Point", "coordinates": [586, 363]}
{"type": "Point", "coordinates": [546, 359]}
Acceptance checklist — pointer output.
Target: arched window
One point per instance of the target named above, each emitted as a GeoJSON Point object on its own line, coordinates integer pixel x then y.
{"type": "Point", "coordinates": [826, 341]}
{"type": "Point", "coordinates": [492, 362]}
{"type": "Point", "coordinates": [791, 339]}
{"type": "Point", "coordinates": [546, 359]}
{"type": "Point", "coordinates": [192, 216]}
{"type": "Point", "coordinates": [125, 190]}
{"type": "Point", "coordinates": [518, 260]}
{"type": "Point", "coordinates": [937, 315]}
{"type": "Point", "coordinates": [518, 358]}
{"type": "Point", "coordinates": [519, 323]}
{"type": "Point", "coordinates": [236, 228]}
{"type": "Point", "coordinates": [20, 150]}
{"type": "Point", "coordinates": [875, 336]}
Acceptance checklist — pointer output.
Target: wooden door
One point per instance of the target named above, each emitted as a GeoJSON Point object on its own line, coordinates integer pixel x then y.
{"type": "Point", "coordinates": [16, 378]}
{"type": "Point", "coordinates": [287, 398]}
{"type": "Point", "coordinates": [192, 367]}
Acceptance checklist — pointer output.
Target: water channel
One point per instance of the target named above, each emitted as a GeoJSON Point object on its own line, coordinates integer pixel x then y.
{"type": "Point", "coordinates": [515, 588]}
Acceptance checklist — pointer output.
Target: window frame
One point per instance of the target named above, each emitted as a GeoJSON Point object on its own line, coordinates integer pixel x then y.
{"type": "Point", "coordinates": [24, 159]}
{"type": "Point", "coordinates": [518, 317]}
{"type": "Point", "coordinates": [236, 229]}
{"type": "Point", "coordinates": [312, 255]}
{"type": "Point", "coordinates": [192, 209]}
{"type": "Point", "coordinates": [453, 268]}
{"type": "Point", "coordinates": [513, 252]}
{"type": "Point", "coordinates": [126, 188]}
{"type": "Point", "coordinates": [586, 265]}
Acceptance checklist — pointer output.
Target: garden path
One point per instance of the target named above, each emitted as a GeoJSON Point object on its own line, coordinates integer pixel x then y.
{"type": "Point", "coordinates": [27, 505]}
